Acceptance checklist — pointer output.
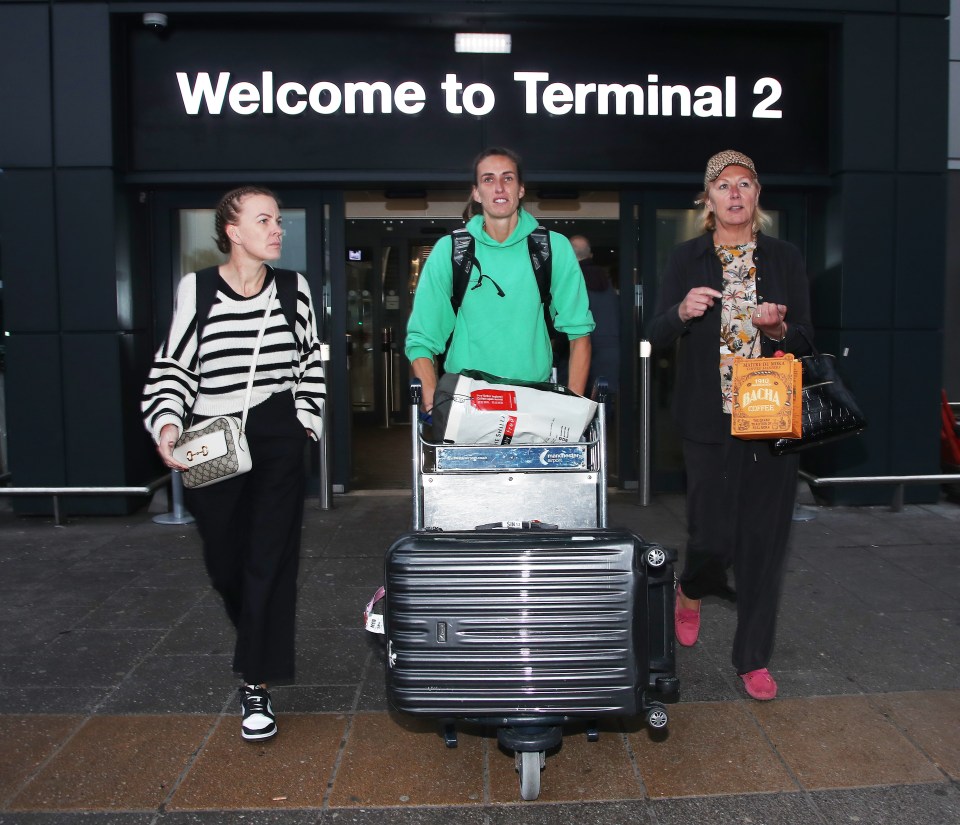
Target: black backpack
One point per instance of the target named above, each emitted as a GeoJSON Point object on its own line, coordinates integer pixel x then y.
{"type": "Point", "coordinates": [208, 281]}
{"type": "Point", "coordinates": [538, 243]}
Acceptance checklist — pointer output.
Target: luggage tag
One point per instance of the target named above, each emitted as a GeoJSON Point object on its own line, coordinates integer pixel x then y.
{"type": "Point", "coordinates": [374, 621]}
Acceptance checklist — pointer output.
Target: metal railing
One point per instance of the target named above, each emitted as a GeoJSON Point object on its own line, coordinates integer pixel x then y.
{"type": "Point", "coordinates": [57, 492]}
{"type": "Point", "coordinates": [898, 482]}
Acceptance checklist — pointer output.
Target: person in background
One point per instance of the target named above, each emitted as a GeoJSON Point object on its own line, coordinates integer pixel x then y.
{"type": "Point", "coordinates": [605, 308]}
{"type": "Point", "coordinates": [250, 525]}
{"type": "Point", "coordinates": [733, 292]}
{"type": "Point", "coordinates": [500, 327]}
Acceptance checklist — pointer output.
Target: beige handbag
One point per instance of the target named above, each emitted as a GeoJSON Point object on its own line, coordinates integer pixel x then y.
{"type": "Point", "coordinates": [217, 449]}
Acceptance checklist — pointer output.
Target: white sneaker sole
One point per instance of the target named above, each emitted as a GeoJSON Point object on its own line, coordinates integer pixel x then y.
{"type": "Point", "coordinates": [258, 735]}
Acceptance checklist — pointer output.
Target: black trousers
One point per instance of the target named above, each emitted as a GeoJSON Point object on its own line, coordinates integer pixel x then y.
{"type": "Point", "coordinates": [251, 527]}
{"type": "Point", "coordinates": [740, 500]}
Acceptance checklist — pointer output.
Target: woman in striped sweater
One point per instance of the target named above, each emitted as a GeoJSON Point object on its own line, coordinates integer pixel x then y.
{"type": "Point", "coordinates": [251, 524]}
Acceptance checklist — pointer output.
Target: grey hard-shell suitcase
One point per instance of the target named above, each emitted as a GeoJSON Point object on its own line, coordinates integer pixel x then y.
{"type": "Point", "coordinates": [529, 629]}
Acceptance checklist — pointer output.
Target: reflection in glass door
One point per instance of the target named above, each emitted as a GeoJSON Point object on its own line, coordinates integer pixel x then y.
{"type": "Point", "coordinates": [671, 226]}
{"type": "Point", "coordinates": [198, 249]}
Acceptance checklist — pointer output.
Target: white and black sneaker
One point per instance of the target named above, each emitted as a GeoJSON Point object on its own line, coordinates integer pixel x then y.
{"type": "Point", "coordinates": [258, 719]}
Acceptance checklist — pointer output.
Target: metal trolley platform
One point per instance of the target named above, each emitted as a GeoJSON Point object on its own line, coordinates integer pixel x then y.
{"type": "Point", "coordinates": [461, 486]}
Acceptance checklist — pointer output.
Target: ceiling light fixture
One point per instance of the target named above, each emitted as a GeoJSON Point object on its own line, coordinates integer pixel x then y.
{"type": "Point", "coordinates": [482, 43]}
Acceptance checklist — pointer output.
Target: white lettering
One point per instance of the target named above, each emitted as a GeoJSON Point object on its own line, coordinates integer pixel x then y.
{"type": "Point", "coordinates": [317, 91]}
{"type": "Point", "coordinates": [540, 96]}
{"type": "Point", "coordinates": [267, 93]}
{"type": "Point", "coordinates": [530, 80]}
{"type": "Point", "coordinates": [620, 95]}
{"type": "Point", "coordinates": [409, 97]}
{"type": "Point", "coordinates": [680, 92]}
{"type": "Point", "coordinates": [283, 98]}
{"type": "Point", "coordinates": [487, 98]}
{"type": "Point", "coordinates": [450, 87]}
{"type": "Point", "coordinates": [558, 99]}
{"type": "Point", "coordinates": [583, 91]}
{"type": "Point", "coordinates": [203, 90]}
{"type": "Point", "coordinates": [244, 98]}
{"type": "Point", "coordinates": [367, 92]}
{"type": "Point", "coordinates": [709, 102]}
{"type": "Point", "coordinates": [762, 109]}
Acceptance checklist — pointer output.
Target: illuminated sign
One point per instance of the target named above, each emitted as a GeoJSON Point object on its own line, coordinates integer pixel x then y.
{"type": "Point", "coordinates": [580, 102]}
{"type": "Point", "coordinates": [201, 95]}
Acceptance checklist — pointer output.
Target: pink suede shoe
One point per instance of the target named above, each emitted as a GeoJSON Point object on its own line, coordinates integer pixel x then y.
{"type": "Point", "coordinates": [760, 684]}
{"type": "Point", "coordinates": [686, 623]}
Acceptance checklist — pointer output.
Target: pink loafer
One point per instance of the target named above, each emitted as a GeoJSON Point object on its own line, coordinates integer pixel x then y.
{"type": "Point", "coordinates": [686, 623]}
{"type": "Point", "coordinates": [760, 684]}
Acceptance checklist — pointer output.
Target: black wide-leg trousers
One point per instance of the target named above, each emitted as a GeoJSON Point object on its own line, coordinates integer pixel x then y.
{"type": "Point", "coordinates": [740, 500]}
{"type": "Point", "coordinates": [251, 527]}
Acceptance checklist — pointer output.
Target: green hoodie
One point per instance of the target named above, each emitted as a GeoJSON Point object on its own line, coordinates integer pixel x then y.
{"type": "Point", "coordinates": [503, 336]}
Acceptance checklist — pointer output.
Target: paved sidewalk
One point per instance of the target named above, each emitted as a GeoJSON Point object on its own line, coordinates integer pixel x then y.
{"type": "Point", "coordinates": [118, 704]}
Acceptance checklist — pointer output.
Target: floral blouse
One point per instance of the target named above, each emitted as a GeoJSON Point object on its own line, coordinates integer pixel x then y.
{"type": "Point", "coordinates": [738, 336]}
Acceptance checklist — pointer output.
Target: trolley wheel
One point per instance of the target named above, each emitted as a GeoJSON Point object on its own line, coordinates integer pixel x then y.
{"type": "Point", "coordinates": [449, 733]}
{"type": "Point", "coordinates": [656, 556]}
{"type": "Point", "coordinates": [529, 765]}
{"type": "Point", "coordinates": [657, 717]}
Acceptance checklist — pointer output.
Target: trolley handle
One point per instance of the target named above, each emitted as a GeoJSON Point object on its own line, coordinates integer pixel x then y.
{"type": "Point", "coordinates": [601, 389]}
{"type": "Point", "coordinates": [416, 392]}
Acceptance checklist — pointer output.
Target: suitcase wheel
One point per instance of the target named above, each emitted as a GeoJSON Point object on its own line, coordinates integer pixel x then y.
{"type": "Point", "coordinates": [529, 764]}
{"type": "Point", "coordinates": [656, 556]}
{"type": "Point", "coordinates": [657, 717]}
{"type": "Point", "coordinates": [449, 733]}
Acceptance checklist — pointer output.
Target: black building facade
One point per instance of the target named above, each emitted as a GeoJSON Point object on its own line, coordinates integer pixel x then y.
{"type": "Point", "coordinates": [116, 128]}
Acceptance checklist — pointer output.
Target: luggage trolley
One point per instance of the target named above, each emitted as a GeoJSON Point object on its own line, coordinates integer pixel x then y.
{"type": "Point", "coordinates": [532, 621]}
{"type": "Point", "coordinates": [460, 486]}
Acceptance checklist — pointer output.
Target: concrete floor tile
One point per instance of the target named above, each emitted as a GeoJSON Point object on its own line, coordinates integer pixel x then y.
{"type": "Point", "coordinates": [332, 656]}
{"type": "Point", "coordinates": [81, 658]}
{"type": "Point", "coordinates": [579, 771]}
{"type": "Point", "coordinates": [913, 804]}
{"type": "Point", "coordinates": [203, 684]}
{"type": "Point", "coordinates": [83, 818]}
{"type": "Point", "coordinates": [238, 818]}
{"type": "Point", "coordinates": [53, 700]}
{"type": "Point", "coordinates": [394, 760]}
{"type": "Point", "coordinates": [463, 815]}
{"type": "Point", "coordinates": [710, 748]}
{"type": "Point", "coordinates": [756, 809]}
{"type": "Point", "coordinates": [116, 762]}
{"type": "Point", "coordinates": [289, 771]}
{"type": "Point", "coordinates": [36, 738]}
{"type": "Point", "coordinates": [841, 742]}
{"type": "Point", "coordinates": [931, 720]}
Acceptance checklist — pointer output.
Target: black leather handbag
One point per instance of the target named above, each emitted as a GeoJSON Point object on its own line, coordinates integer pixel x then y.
{"type": "Point", "coordinates": [829, 412]}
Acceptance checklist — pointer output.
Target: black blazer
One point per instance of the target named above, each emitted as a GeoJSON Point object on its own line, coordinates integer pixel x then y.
{"type": "Point", "coordinates": [781, 279]}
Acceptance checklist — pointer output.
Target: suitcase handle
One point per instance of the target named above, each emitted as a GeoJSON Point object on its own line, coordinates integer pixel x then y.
{"type": "Point", "coordinates": [517, 525]}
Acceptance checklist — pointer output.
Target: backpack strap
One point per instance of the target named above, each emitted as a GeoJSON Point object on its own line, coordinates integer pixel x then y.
{"type": "Point", "coordinates": [208, 281]}
{"type": "Point", "coordinates": [538, 242]}
{"type": "Point", "coordinates": [463, 260]}
{"type": "Point", "coordinates": [287, 293]}
{"type": "Point", "coordinates": [538, 245]}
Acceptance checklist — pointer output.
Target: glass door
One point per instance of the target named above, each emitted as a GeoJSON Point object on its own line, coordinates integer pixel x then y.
{"type": "Point", "coordinates": [181, 239]}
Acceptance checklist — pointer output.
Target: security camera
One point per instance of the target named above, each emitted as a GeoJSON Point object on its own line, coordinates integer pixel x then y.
{"type": "Point", "coordinates": [155, 20]}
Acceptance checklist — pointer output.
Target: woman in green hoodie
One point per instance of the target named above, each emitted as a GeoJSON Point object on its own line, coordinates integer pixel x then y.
{"type": "Point", "coordinates": [500, 327]}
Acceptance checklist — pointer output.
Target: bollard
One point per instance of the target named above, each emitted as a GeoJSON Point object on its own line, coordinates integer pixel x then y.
{"type": "Point", "coordinates": [643, 468]}
{"type": "Point", "coordinates": [386, 343]}
{"type": "Point", "coordinates": [326, 483]}
{"type": "Point", "coordinates": [178, 515]}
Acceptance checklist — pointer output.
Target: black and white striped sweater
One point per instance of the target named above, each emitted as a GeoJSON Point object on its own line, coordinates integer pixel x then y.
{"type": "Point", "coordinates": [214, 381]}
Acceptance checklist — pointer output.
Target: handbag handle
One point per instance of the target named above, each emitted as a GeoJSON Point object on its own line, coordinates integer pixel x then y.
{"type": "Point", "coordinates": [256, 355]}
